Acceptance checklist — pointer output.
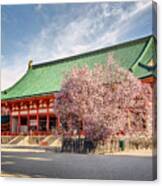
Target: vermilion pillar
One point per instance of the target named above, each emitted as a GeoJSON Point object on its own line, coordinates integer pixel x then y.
{"type": "Point", "coordinates": [19, 121]}
{"type": "Point", "coordinates": [28, 118]}
{"type": "Point", "coordinates": [10, 118]}
{"type": "Point", "coordinates": [48, 117]}
{"type": "Point", "coordinates": [37, 117]}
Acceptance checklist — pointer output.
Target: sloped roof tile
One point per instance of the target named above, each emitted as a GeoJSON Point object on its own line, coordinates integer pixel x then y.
{"type": "Point", "coordinates": [47, 77]}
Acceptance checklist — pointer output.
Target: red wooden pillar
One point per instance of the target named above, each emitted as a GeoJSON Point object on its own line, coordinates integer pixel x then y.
{"type": "Point", "coordinates": [28, 118]}
{"type": "Point", "coordinates": [19, 121]}
{"type": "Point", "coordinates": [37, 116]}
{"type": "Point", "coordinates": [10, 109]}
{"type": "Point", "coordinates": [48, 118]}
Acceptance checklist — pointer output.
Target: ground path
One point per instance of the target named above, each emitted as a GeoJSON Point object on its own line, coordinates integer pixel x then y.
{"type": "Point", "coordinates": [23, 163]}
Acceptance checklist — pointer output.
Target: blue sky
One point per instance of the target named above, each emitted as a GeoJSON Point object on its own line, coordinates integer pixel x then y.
{"type": "Point", "coordinates": [44, 32]}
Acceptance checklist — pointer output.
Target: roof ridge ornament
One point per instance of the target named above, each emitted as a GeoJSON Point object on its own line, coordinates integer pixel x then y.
{"type": "Point", "coordinates": [30, 64]}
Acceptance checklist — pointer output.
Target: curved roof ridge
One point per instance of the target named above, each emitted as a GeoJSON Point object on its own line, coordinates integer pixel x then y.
{"type": "Point", "coordinates": [148, 44]}
{"type": "Point", "coordinates": [61, 60]}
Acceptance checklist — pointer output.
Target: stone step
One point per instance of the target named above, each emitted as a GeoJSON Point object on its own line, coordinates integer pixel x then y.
{"type": "Point", "coordinates": [16, 140]}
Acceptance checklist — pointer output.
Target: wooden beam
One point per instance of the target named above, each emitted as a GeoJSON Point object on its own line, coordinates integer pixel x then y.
{"type": "Point", "coordinates": [149, 80]}
{"type": "Point", "coordinates": [27, 99]}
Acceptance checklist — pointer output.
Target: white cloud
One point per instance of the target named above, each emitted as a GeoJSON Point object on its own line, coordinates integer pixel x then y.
{"type": "Point", "coordinates": [12, 73]}
{"type": "Point", "coordinates": [84, 33]}
{"type": "Point", "coordinates": [140, 6]}
{"type": "Point", "coordinates": [10, 76]}
{"type": "Point", "coordinates": [38, 7]}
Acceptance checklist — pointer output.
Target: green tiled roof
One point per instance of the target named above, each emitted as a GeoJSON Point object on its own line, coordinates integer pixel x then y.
{"type": "Point", "coordinates": [47, 77]}
{"type": "Point", "coordinates": [148, 54]}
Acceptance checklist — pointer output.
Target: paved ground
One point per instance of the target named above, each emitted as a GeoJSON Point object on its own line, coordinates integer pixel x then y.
{"type": "Point", "coordinates": [77, 166]}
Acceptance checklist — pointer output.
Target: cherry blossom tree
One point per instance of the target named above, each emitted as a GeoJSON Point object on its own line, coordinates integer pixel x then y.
{"type": "Point", "coordinates": [104, 101]}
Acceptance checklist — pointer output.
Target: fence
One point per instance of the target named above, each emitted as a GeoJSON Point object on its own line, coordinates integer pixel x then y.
{"type": "Point", "coordinates": [77, 145]}
{"type": "Point", "coordinates": [110, 146]}
{"type": "Point", "coordinates": [129, 144]}
{"type": "Point", "coordinates": [34, 133]}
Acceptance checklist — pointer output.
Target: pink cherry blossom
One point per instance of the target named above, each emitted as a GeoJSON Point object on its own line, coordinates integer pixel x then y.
{"type": "Point", "coordinates": [104, 101]}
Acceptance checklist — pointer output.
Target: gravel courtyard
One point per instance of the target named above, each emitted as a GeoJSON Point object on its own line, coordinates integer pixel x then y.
{"type": "Point", "coordinates": [76, 166]}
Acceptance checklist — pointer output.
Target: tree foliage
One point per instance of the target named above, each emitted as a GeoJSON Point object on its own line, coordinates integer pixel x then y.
{"type": "Point", "coordinates": [105, 101]}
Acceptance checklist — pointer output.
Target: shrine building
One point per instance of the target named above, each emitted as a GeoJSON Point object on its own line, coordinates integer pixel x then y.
{"type": "Point", "coordinates": [28, 104]}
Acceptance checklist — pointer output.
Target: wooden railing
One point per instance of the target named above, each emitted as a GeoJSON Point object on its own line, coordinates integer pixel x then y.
{"type": "Point", "coordinates": [34, 133]}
